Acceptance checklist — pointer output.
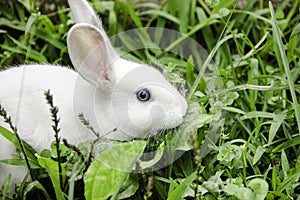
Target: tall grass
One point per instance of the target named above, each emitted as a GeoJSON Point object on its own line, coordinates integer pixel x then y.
{"type": "Point", "coordinates": [256, 48]}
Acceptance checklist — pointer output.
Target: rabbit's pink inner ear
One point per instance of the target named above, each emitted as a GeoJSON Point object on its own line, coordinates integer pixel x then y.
{"type": "Point", "coordinates": [103, 73]}
{"type": "Point", "coordinates": [106, 76]}
{"type": "Point", "coordinates": [89, 53]}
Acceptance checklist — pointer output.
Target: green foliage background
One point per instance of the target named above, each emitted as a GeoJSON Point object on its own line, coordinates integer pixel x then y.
{"type": "Point", "coordinates": [258, 56]}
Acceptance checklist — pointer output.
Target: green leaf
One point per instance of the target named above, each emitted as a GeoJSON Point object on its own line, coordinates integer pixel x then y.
{"type": "Point", "coordinates": [279, 14]}
{"type": "Point", "coordinates": [212, 3]}
{"type": "Point", "coordinates": [30, 22]}
{"type": "Point", "coordinates": [234, 110]}
{"type": "Point", "coordinates": [159, 152]}
{"type": "Point", "coordinates": [64, 151]}
{"type": "Point", "coordinates": [172, 7]}
{"type": "Point", "coordinates": [214, 182]}
{"type": "Point", "coordinates": [180, 189]}
{"type": "Point", "coordinates": [295, 31]}
{"type": "Point", "coordinates": [5, 187]}
{"type": "Point", "coordinates": [223, 12]}
{"type": "Point", "coordinates": [30, 152]}
{"type": "Point", "coordinates": [274, 178]}
{"type": "Point", "coordinates": [113, 25]}
{"type": "Point", "coordinates": [185, 133]}
{"type": "Point", "coordinates": [285, 163]}
{"type": "Point", "coordinates": [277, 121]}
{"type": "Point", "coordinates": [46, 25]}
{"type": "Point", "coordinates": [51, 39]}
{"type": "Point", "coordinates": [111, 168]}
{"type": "Point", "coordinates": [252, 77]}
{"type": "Point", "coordinates": [258, 154]}
{"type": "Point", "coordinates": [28, 4]}
{"type": "Point", "coordinates": [18, 162]}
{"type": "Point", "coordinates": [131, 186]}
{"type": "Point", "coordinates": [256, 114]}
{"type": "Point", "coordinates": [228, 153]}
{"type": "Point", "coordinates": [259, 187]}
{"type": "Point", "coordinates": [51, 168]}
{"type": "Point", "coordinates": [212, 135]}
{"type": "Point", "coordinates": [289, 143]}
{"type": "Point", "coordinates": [35, 185]}
{"type": "Point", "coordinates": [134, 16]}
{"type": "Point", "coordinates": [173, 185]}
{"type": "Point", "coordinates": [190, 72]}
{"type": "Point", "coordinates": [288, 182]}
{"type": "Point", "coordinates": [23, 49]}
{"type": "Point", "coordinates": [238, 191]}
{"type": "Point", "coordinates": [183, 16]}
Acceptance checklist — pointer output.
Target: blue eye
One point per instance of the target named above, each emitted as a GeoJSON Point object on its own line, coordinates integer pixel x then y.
{"type": "Point", "coordinates": [143, 95]}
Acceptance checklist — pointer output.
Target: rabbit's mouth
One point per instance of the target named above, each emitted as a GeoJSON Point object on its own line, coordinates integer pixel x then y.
{"type": "Point", "coordinates": [173, 122]}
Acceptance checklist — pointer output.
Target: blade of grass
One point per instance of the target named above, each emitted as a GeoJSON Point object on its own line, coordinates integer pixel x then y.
{"type": "Point", "coordinates": [285, 145]}
{"type": "Point", "coordinates": [5, 187]}
{"type": "Point", "coordinates": [190, 33]}
{"type": "Point", "coordinates": [285, 63]}
{"type": "Point", "coordinates": [288, 181]}
{"type": "Point", "coordinates": [37, 185]}
{"type": "Point", "coordinates": [30, 22]}
{"type": "Point", "coordinates": [212, 53]}
{"type": "Point", "coordinates": [278, 120]}
{"type": "Point", "coordinates": [179, 191]}
{"type": "Point", "coordinates": [161, 14]}
{"type": "Point", "coordinates": [208, 60]}
{"type": "Point", "coordinates": [183, 17]}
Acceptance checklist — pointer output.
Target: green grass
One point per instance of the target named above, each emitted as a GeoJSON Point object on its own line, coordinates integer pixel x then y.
{"type": "Point", "coordinates": [251, 116]}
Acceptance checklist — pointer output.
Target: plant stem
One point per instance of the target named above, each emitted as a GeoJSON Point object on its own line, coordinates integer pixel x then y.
{"type": "Point", "coordinates": [55, 120]}
{"type": "Point", "coordinates": [7, 119]}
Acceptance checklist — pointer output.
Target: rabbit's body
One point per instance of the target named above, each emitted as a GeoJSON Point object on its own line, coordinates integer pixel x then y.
{"type": "Point", "coordinates": [26, 91]}
{"type": "Point", "coordinates": [121, 99]}
{"type": "Point", "coordinates": [22, 95]}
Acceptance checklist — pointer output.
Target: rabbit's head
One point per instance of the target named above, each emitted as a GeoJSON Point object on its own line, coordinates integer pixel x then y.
{"type": "Point", "coordinates": [140, 100]}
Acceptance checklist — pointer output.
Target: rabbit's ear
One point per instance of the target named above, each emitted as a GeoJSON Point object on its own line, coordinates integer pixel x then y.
{"type": "Point", "coordinates": [91, 53]}
{"type": "Point", "coordinates": [84, 13]}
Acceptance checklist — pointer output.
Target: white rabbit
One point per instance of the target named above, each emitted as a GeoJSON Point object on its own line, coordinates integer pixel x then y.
{"type": "Point", "coordinates": [112, 93]}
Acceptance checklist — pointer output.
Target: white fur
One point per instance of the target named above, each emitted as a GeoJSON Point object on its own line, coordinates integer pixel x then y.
{"type": "Point", "coordinates": [104, 90]}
